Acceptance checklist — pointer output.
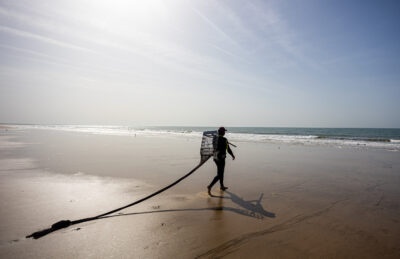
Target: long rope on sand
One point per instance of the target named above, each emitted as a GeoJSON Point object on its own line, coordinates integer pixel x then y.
{"type": "Point", "coordinates": [66, 223]}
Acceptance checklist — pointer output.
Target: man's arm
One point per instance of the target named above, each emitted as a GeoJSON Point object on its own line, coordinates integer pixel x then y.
{"type": "Point", "coordinates": [229, 150]}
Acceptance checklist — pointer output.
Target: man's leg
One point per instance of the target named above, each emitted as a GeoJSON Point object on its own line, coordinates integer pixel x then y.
{"type": "Point", "coordinates": [216, 178]}
{"type": "Point", "coordinates": [221, 169]}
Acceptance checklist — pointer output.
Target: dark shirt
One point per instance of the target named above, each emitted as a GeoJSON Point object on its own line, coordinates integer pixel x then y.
{"type": "Point", "coordinates": [222, 147]}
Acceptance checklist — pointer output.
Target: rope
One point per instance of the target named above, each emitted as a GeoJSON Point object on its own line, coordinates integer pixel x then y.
{"type": "Point", "coordinates": [66, 223]}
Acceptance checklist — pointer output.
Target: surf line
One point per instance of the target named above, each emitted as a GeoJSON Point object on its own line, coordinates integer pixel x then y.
{"type": "Point", "coordinates": [206, 151]}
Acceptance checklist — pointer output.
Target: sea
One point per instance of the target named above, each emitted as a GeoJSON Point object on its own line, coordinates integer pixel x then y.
{"type": "Point", "coordinates": [386, 138]}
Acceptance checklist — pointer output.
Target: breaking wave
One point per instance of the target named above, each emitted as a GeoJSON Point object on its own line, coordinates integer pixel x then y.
{"type": "Point", "coordinates": [282, 135]}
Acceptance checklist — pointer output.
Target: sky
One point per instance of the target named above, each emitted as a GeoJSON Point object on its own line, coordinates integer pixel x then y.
{"type": "Point", "coordinates": [308, 63]}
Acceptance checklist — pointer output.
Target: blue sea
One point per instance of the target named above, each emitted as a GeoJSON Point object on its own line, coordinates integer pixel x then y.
{"type": "Point", "coordinates": [360, 137]}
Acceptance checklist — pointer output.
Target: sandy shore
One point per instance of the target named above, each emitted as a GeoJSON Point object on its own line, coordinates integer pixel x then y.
{"type": "Point", "coordinates": [284, 201]}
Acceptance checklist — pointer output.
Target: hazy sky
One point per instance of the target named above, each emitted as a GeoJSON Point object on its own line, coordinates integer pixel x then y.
{"type": "Point", "coordinates": [201, 63]}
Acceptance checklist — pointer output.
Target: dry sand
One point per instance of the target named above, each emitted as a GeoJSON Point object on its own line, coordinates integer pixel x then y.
{"type": "Point", "coordinates": [284, 201]}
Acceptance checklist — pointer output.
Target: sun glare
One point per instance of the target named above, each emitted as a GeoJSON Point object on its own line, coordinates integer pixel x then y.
{"type": "Point", "coordinates": [121, 14]}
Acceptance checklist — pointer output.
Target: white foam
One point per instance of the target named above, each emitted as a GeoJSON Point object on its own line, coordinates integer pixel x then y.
{"type": "Point", "coordinates": [313, 140]}
{"type": "Point", "coordinates": [239, 137]}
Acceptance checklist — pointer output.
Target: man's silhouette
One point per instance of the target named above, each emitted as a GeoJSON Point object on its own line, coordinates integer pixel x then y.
{"type": "Point", "coordinates": [219, 159]}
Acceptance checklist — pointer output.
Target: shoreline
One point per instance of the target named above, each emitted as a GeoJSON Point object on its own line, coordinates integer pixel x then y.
{"type": "Point", "coordinates": [379, 138]}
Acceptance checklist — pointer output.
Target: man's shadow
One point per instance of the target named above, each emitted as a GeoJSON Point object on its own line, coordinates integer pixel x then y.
{"type": "Point", "coordinates": [251, 208]}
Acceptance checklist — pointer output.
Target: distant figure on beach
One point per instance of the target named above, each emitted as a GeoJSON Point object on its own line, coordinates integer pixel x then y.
{"type": "Point", "coordinates": [219, 159]}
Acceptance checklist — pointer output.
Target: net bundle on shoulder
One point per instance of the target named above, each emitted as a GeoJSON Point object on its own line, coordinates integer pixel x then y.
{"type": "Point", "coordinates": [208, 144]}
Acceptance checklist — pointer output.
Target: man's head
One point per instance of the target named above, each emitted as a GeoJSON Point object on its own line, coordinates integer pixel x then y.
{"type": "Point", "coordinates": [221, 131]}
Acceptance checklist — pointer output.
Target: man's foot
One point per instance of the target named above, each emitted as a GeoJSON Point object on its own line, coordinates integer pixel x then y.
{"type": "Point", "coordinates": [209, 190]}
{"type": "Point", "coordinates": [223, 188]}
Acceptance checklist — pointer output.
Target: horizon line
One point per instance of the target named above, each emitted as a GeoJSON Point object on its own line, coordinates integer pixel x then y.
{"type": "Point", "coordinates": [191, 126]}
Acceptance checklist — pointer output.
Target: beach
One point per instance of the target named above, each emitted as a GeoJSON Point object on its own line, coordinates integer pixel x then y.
{"type": "Point", "coordinates": [284, 200]}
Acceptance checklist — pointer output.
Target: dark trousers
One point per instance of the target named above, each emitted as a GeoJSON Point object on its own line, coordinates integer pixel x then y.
{"type": "Point", "coordinates": [220, 172]}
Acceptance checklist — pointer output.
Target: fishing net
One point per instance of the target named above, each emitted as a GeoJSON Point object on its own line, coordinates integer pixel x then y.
{"type": "Point", "coordinates": [208, 144]}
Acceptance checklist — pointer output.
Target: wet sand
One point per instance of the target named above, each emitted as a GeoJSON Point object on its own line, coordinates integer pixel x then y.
{"type": "Point", "coordinates": [283, 201]}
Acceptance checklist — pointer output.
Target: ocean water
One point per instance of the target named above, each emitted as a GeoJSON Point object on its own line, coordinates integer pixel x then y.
{"type": "Point", "coordinates": [339, 137]}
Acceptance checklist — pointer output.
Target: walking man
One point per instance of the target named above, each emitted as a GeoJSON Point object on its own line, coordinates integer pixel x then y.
{"type": "Point", "coordinates": [219, 159]}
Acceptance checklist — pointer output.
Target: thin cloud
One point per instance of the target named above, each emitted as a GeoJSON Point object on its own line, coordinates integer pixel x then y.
{"type": "Point", "coordinates": [159, 51]}
{"type": "Point", "coordinates": [38, 37]}
{"type": "Point", "coordinates": [276, 29]}
{"type": "Point", "coordinates": [215, 27]}
{"type": "Point", "coordinates": [35, 53]}
{"type": "Point", "coordinates": [51, 60]}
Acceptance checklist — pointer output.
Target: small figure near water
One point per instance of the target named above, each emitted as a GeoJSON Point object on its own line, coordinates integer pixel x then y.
{"type": "Point", "coordinates": [219, 159]}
